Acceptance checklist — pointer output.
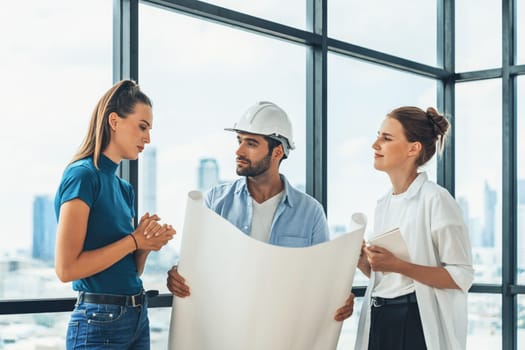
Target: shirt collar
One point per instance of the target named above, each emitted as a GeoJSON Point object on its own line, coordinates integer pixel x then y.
{"type": "Point", "coordinates": [242, 187]}
{"type": "Point", "coordinates": [414, 187]}
{"type": "Point", "coordinates": [287, 195]}
{"type": "Point", "coordinates": [107, 165]}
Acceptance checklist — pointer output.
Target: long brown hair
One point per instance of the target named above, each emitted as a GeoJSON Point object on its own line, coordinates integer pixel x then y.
{"type": "Point", "coordinates": [429, 128]}
{"type": "Point", "coordinates": [121, 98]}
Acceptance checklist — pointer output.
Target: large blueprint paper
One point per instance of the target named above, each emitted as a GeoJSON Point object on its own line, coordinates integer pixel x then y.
{"type": "Point", "coordinates": [249, 295]}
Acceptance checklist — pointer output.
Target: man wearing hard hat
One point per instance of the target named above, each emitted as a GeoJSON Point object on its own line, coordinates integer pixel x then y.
{"type": "Point", "coordinates": [262, 203]}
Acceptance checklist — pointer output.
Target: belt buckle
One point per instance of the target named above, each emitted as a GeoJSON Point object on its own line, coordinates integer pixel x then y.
{"type": "Point", "coordinates": [80, 298]}
{"type": "Point", "coordinates": [376, 302]}
{"type": "Point", "coordinates": [134, 301]}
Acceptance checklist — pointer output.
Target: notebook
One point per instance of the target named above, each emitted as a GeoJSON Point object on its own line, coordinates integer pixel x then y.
{"type": "Point", "coordinates": [394, 242]}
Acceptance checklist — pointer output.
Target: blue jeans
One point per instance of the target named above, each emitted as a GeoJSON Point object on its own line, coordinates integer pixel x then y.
{"type": "Point", "coordinates": [103, 326]}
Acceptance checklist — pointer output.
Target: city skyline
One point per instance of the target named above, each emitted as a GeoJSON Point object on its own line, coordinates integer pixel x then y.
{"type": "Point", "coordinates": [482, 232]}
{"type": "Point", "coordinates": [487, 257]}
{"type": "Point", "coordinates": [208, 173]}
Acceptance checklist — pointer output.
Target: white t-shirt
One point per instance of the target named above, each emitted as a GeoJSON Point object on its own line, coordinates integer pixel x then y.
{"type": "Point", "coordinates": [263, 217]}
{"type": "Point", "coordinates": [391, 285]}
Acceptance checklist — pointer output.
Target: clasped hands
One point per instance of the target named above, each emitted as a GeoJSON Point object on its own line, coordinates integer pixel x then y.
{"type": "Point", "coordinates": [150, 234]}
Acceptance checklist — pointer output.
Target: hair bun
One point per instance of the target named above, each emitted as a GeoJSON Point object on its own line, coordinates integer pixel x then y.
{"type": "Point", "coordinates": [439, 122]}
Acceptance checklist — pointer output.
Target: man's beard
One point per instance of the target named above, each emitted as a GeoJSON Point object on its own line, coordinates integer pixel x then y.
{"type": "Point", "coordinates": [254, 169]}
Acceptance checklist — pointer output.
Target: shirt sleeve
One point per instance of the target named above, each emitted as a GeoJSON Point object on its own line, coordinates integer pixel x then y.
{"type": "Point", "coordinates": [208, 197]}
{"type": "Point", "coordinates": [452, 242]}
{"type": "Point", "coordinates": [455, 255]}
{"type": "Point", "coordinates": [78, 182]}
{"type": "Point", "coordinates": [321, 232]}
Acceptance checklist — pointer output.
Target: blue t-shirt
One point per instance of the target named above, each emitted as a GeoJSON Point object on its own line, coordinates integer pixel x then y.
{"type": "Point", "coordinates": [111, 214]}
{"type": "Point", "coordinates": [299, 220]}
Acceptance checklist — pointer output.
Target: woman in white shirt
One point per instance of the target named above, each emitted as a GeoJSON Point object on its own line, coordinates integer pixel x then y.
{"type": "Point", "coordinates": [421, 303]}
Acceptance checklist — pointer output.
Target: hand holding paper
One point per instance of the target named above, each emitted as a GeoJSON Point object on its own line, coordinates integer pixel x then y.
{"type": "Point", "coordinates": [266, 297]}
{"type": "Point", "coordinates": [385, 251]}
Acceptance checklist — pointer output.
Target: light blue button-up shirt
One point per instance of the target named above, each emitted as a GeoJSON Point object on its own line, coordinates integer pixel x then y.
{"type": "Point", "coordinates": [299, 220]}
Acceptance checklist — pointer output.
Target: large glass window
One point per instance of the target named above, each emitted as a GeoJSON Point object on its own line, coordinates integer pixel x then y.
{"type": "Point", "coordinates": [198, 88]}
{"type": "Point", "coordinates": [521, 321]}
{"type": "Point", "coordinates": [478, 35]}
{"type": "Point", "coordinates": [51, 80]}
{"type": "Point", "coordinates": [359, 97]}
{"type": "Point", "coordinates": [33, 331]}
{"type": "Point", "coordinates": [478, 172]}
{"type": "Point", "coordinates": [521, 180]}
{"type": "Point", "coordinates": [388, 26]}
{"type": "Point", "coordinates": [484, 321]}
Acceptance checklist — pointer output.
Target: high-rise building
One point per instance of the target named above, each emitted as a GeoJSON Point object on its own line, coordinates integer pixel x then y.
{"type": "Point", "coordinates": [208, 173]}
{"type": "Point", "coordinates": [148, 190]}
{"type": "Point", "coordinates": [463, 204]}
{"type": "Point", "coordinates": [476, 237]}
{"type": "Point", "coordinates": [489, 224]}
{"type": "Point", "coordinates": [44, 228]}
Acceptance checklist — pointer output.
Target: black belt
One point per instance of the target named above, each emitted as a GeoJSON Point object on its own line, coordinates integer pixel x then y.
{"type": "Point", "coordinates": [404, 299]}
{"type": "Point", "coordinates": [112, 299]}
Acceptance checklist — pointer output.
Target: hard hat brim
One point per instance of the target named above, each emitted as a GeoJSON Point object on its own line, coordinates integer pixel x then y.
{"type": "Point", "coordinates": [290, 146]}
{"type": "Point", "coordinates": [244, 131]}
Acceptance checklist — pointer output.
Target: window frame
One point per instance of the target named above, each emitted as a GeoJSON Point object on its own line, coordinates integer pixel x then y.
{"type": "Point", "coordinates": [315, 38]}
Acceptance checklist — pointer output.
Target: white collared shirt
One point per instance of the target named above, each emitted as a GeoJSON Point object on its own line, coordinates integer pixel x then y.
{"type": "Point", "coordinates": [436, 235]}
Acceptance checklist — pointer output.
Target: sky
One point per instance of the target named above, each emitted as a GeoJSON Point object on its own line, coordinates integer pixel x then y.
{"type": "Point", "coordinates": [201, 76]}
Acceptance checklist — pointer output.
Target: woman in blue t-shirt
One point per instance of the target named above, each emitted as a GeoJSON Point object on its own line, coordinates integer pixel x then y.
{"type": "Point", "coordinates": [98, 246]}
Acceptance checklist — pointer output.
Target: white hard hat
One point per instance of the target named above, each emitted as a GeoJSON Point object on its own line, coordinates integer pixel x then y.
{"type": "Point", "coordinates": [267, 119]}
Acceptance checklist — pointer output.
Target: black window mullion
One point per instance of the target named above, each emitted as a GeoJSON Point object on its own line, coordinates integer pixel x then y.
{"type": "Point", "coordinates": [316, 104]}
{"type": "Point", "coordinates": [446, 89]}
{"type": "Point", "coordinates": [509, 177]}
